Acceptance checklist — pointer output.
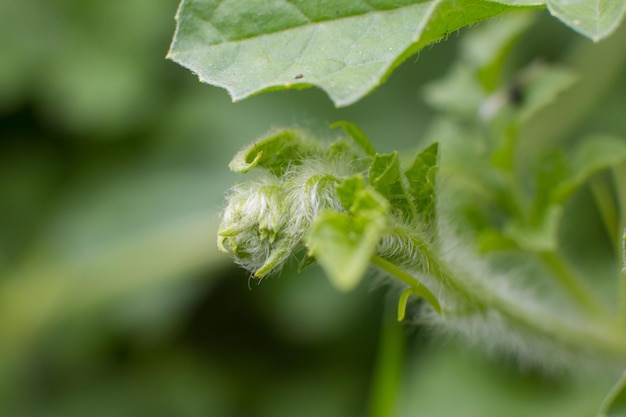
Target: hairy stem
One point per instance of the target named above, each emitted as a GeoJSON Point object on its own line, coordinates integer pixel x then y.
{"type": "Point", "coordinates": [593, 335]}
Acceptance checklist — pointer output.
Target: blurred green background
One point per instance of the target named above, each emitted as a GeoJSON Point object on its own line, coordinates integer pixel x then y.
{"type": "Point", "coordinates": [113, 298]}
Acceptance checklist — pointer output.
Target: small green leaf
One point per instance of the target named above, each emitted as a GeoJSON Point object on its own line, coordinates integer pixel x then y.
{"type": "Point", "coordinates": [274, 153]}
{"type": "Point", "coordinates": [551, 172]}
{"type": "Point", "coordinates": [422, 177]}
{"type": "Point", "coordinates": [534, 88]}
{"type": "Point", "coordinates": [443, 94]}
{"type": "Point", "coordinates": [349, 190]}
{"type": "Point", "coordinates": [491, 240]}
{"type": "Point", "coordinates": [614, 404]}
{"type": "Point", "coordinates": [357, 135]}
{"type": "Point", "coordinates": [540, 85]}
{"type": "Point", "coordinates": [594, 154]}
{"type": "Point", "coordinates": [387, 178]}
{"type": "Point", "coordinates": [486, 47]}
{"type": "Point", "coordinates": [557, 179]}
{"type": "Point", "coordinates": [342, 243]}
{"type": "Point", "coordinates": [538, 236]}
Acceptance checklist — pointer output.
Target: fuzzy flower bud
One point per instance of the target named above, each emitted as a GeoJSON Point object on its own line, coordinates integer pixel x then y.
{"type": "Point", "coordinates": [265, 219]}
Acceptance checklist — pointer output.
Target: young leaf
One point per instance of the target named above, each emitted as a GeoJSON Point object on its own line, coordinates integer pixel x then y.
{"type": "Point", "coordinates": [274, 153]}
{"type": "Point", "coordinates": [594, 154]}
{"type": "Point", "coordinates": [537, 86]}
{"type": "Point", "coordinates": [486, 47]}
{"type": "Point", "coordinates": [347, 48]}
{"type": "Point", "coordinates": [357, 136]}
{"type": "Point", "coordinates": [343, 243]}
{"type": "Point", "coordinates": [422, 176]}
{"type": "Point", "coordinates": [387, 178]}
{"type": "Point", "coordinates": [443, 94]}
{"type": "Point", "coordinates": [557, 179]}
{"type": "Point", "coordinates": [541, 84]}
{"type": "Point", "coordinates": [349, 190]}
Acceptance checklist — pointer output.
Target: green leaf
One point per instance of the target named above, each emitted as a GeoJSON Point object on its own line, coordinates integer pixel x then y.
{"type": "Point", "coordinates": [349, 190]}
{"type": "Point", "coordinates": [614, 404]}
{"type": "Point", "coordinates": [594, 154]}
{"type": "Point", "coordinates": [357, 135]}
{"type": "Point", "coordinates": [534, 88]}
{"type": "Point", "coordinates": [346, 48]}
{"type": "Point", "coordinates": [444, 94]}
{"type": "Point", "coordinates": [411, 192]}
{"type": "Point", "coordinates": [540, 85]}
{"type": "Point", "coordinates": [595, 19]}
{"type": "Point", "coordinates": [343, 243]}
{"type": "Point", "coordinates": [387, 178]}
{"type": "Point", "coordinates": [422, 177]}
{"type": "Point", "coordinates": [273, 153]}
{"type": "Point", "coordinates": [538, 236]}
{"type": "Point", "coordinates": [557, 179]}
{"type": "Point", "coordinates": [486, 47]}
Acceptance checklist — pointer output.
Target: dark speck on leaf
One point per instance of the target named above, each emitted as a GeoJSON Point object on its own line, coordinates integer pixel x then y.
{"type": "Point", "coordinates": [298, 76]}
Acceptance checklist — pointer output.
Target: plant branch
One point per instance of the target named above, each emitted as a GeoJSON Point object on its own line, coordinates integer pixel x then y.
{"type": "Point", "coordinates": [478, 296]}
{"type": "Point", "coordinates": [408, 279]}
{"type": "Point", "coordinates": [573, 284]}
{"type": "Point", "coordinates": [619, 177]}
{"type": "Point", "coordinates": [607, 207]}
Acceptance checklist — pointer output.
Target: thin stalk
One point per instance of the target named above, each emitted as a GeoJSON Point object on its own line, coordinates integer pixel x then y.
{"type": "Point", "coordinates": [619, 177]}
{"type": "Point", "coordinates": [408, 279]}
{"type": "Point", "coordinates": [607, 207]}
{"type": "Point", "coordinates": [388, 368]}
{"type": "Point", "coordinates": [572, 284]}
{"type": "Point", "coordinates": [622, 285]}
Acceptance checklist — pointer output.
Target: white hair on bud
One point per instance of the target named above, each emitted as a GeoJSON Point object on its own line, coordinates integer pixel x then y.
{"type": "Point", "coordinates": [266, 218]}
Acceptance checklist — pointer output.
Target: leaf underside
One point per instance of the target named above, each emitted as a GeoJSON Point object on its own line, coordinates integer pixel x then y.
{"type": "Point", "coordinates": [345, 47]}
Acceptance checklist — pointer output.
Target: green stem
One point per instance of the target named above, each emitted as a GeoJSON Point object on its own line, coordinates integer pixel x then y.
{"type": "Point", "coordinates": [619, 177]}
{"type": "Point", "coordinates": [408, 279]}
{"type": "Point", "coordinates": [622, 286]}
{"type": "Point", "coordinates": [479, 296]}
{"type": "Point", "coordinates": [607, 206]}
{"type": "Point", "coordinates": [388, 368]}
{"type": "Point", "coordinates": [573, 284]}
